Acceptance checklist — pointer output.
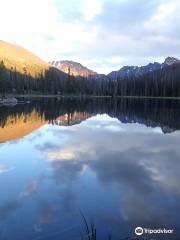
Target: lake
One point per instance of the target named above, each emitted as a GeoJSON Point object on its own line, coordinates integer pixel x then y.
{"type": "Point", "coordinates": [114, 162]}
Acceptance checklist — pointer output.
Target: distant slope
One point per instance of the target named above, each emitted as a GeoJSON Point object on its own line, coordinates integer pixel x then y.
{"type": "Point", "coordinates": [127, 71]}
{"type": "Point", "coordinates": [73, 68]}
{"type": "Point", "coordinates": [23, 72]}
{"type": "Point", "coordinates": [135, 70]}
{"type": "Point", "coordinates": [14, 56]}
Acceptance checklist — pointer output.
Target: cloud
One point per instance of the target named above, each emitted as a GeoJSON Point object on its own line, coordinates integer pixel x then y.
{"type": "Point", "coordinates": [90, 9]}
{"type": "Point", "coordinates": [29, 189]}
{"type": "Point", "coordinates": [101, 34]}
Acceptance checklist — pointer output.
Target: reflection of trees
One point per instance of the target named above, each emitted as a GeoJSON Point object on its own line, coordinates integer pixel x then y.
{"type": "Point", "coordinates": [18, 125]}
{"type": "Point", "coordinates": [162, 113]}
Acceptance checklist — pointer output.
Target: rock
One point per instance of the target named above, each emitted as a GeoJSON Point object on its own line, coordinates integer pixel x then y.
{"type": "Point", "coordinates": [8, 101]}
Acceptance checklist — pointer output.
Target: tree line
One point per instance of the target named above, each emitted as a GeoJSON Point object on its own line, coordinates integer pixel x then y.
{"type": "Point", "coordinates": [163, 82]}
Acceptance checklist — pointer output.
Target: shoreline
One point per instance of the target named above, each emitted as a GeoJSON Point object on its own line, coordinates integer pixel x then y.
{"type": "Point", "coordinates": [91, 96]}
{"type": "Point", "coordinates": [84, 96]}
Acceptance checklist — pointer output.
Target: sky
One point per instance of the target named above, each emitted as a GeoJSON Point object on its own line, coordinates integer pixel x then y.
{"type": "Point", "coordinates": [103, 35]}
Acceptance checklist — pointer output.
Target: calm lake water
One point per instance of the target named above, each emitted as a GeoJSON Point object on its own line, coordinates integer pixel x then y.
{"type": "Point", "coordinates": [117, 162]}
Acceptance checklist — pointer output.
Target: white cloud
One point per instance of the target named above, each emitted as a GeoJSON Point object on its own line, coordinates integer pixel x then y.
{"type": "Point", "coordinates": [90, 9]}
{"type": "Point", "coordinates": [164, 11]}
{"type": "Point", "coordinates": [102, 34]}
{"type": "Point", "coordinates": [27, 22]}
{"type": "Point", "coordinates": [38, 26]}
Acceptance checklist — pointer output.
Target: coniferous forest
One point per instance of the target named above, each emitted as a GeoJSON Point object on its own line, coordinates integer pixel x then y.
{"type": "Point", "coordinates": [163, 82]}
{"type": "Point", "coordinates": [22, 72]}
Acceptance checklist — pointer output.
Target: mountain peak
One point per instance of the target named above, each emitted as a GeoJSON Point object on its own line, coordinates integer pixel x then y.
{"type": "Point", "coordinates": [75, 68]}
{"type": "Point", "coordinates": [171, 60]}
{"type": "Point", "coordinates": [135, 70]}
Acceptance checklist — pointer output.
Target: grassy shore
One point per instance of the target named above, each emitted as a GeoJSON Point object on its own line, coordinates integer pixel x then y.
{"type": "Point", "coordinates": [150, 97]}
{"type": "Point", "coordinates": [90, 96]}
{"type": "Point", "coordinates": [56, 96]}
{"type": "Point", "coordinates": [87, 96]}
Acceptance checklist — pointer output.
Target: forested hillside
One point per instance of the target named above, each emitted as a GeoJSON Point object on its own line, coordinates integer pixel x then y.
{"type": "Point", "coordinates": [21, 72]}
{"type": "Point", "coordinates": [162, 82]}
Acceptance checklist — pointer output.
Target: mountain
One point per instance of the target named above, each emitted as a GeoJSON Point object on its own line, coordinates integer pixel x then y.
{"type": "Point", "coordinates": [171, 60]}
{"type": "Point", "coordinates": [135, 70]}
{"type": "Point", "coordinates": [73, 68]}
{"type": "Point", "coordinates": [16, 57]}
{"type": "Point", "coordinates": [139, 71]}
{"type": "Point", "coordinates": [77, 69]}
{"type": "Point", "coordinates": [23, 72]}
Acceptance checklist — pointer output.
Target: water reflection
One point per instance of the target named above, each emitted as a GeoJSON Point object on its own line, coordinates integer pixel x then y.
{"type": "Point", "coordinates": [119, 175]}
{"type": "Point", "coordinates": [20, 120]}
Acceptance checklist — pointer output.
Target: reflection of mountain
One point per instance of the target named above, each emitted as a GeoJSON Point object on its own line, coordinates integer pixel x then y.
{"type": "Point", "coordinates": [152, 113]}
{"type": "Point", "coordinates": [23, 119]}
{"type": "Point", "coordinates": [21, 125]}
{"type": "Point", "coordinates": [17, 122]}
{"type": "Point", "coordinates": [69, 119]}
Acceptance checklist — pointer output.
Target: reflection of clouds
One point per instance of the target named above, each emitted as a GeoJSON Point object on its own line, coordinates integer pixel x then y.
{"type": "Point", "coordinates": [46, 212]}
{"type": "Point", "coordinates": [163, 167]}
{"type": "Point", "coordinates": [102, 118]}
{"type": "Point", "coordinates": [66, 171]}
{"type": "Point", "coordinates": [146, 179]}
{"type": "Point", "coordinates": [30, 188]}
{"type": "Point", "coordinates": [4, 168]}
{"type": "Point", "coordinates": [67, 199]}
{"type": "Point", "coordinates": [114, 128]}
{"type": "Point", "coordinates": [143, 210]}
{"type": "Point", "coordinates": [121, 168]}
{"type": "Point", "coordinates": [142, 163]}
{"type": "Point", "coordinates": [8, 208]}
{"type": "Point", "coordinates": [105, 122]}
{"type": "Point", "coordinates": [64, 154]}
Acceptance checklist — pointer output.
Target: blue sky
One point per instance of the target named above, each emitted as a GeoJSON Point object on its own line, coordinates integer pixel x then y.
{"type": "Point", "coordinates": [101, 34]}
